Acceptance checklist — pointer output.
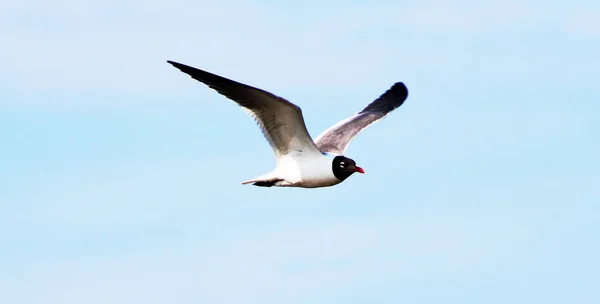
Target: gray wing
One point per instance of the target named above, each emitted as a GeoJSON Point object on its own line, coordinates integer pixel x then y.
{"type": "Point", "coordinates": [280, 120]}
{"type": "Point", "coordinates": [336, 138]}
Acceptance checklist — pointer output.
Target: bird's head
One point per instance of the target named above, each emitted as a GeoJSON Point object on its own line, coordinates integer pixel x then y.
{"type": "Point", "coordinates": [343, 167]}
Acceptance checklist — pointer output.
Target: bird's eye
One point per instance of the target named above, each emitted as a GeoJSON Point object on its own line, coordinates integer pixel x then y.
{"type": "Point", "coordinates": [342, 164]}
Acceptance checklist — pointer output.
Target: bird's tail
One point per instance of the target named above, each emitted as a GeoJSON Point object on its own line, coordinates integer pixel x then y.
{"type": "Point", "coordinates": [266, 180]}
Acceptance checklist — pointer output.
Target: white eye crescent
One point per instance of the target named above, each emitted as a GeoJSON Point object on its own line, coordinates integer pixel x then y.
{"type": "Point", "coordinates": [342, 164]}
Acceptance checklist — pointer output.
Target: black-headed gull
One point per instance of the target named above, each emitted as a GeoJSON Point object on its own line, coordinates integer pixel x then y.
{"type": "Point", "coordinates": [300, 161]}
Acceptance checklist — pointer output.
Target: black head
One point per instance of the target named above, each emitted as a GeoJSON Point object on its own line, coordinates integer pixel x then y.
{"type": "Point", "coordinates": [343, 167]}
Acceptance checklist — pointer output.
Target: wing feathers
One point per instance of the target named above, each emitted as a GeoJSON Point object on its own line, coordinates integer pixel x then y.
{"type": "Point", "coordinates": [280, 120]}
{"type": "Point", "coordinates": [336, 138]}
{"type": "Point", "coordinates": [388, 101]}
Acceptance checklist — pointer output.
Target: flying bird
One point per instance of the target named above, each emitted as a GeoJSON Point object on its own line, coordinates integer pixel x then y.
{"type": "Point", "coordinates": [300, 161]}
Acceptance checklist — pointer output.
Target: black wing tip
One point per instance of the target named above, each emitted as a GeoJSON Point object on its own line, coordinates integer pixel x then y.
{"type": "Point", "coordinates": [388, 101]}
{"type": "Point", "coordinates": [400, 89]}
{"type": "Point", "coordinates": [177, 64]}
{"type": "Point", "coordinates": [398, 93]}
{"type": "Point", "coordinates": [192, 71]}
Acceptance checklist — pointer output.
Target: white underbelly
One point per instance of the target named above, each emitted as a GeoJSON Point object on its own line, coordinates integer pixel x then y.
{"type": "Point", "coordinates": [308, 172]}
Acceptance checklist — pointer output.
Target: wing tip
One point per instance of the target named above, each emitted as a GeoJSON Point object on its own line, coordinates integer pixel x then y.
{"type": "Point", "coordinates": [175, 64]}
{"type": "Point", "coordinates": [191, 71]}
{"type": "Point", "coordinates": [400, 88]}
{"type": "Point", "coordinates": [393, 98]}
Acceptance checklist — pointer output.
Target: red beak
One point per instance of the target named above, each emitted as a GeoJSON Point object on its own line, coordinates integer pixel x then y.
{"type": "Point", "coordinates": [359, 170]}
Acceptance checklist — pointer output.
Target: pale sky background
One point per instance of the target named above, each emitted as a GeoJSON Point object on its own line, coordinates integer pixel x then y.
{"type": "Point", "coordinates": [119, 184]}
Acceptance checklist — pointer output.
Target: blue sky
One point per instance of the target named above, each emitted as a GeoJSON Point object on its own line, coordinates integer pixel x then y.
{"type": "Point", "coordinates": [118, 183]}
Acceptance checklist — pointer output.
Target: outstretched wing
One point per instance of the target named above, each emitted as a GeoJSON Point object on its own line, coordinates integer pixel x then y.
{"type": "Point", "coordinates": [280, 120]}
{"type": "Point", "coordinates": [336, 138]}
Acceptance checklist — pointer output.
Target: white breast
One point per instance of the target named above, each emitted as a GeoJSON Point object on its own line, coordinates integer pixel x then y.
{"type": "Point", "coordinates": [306, 170]}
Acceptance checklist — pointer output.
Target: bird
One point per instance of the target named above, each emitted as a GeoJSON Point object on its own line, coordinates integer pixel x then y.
{"type": "Point", "coordinates": [300, 161]}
